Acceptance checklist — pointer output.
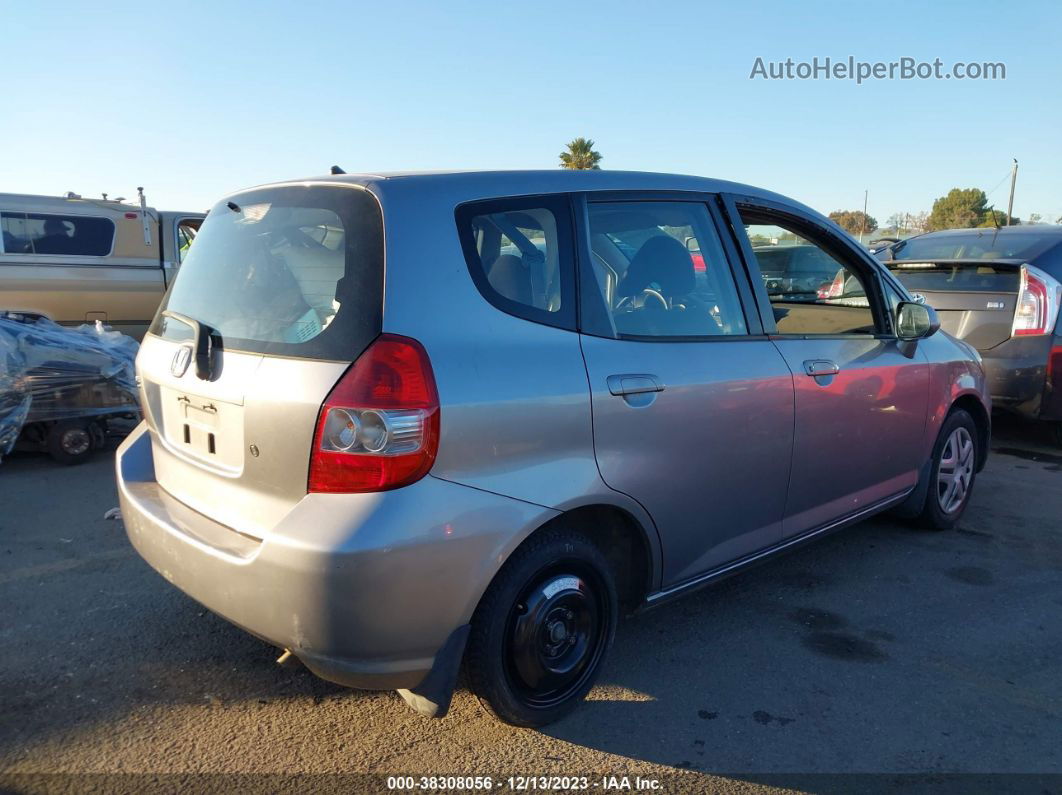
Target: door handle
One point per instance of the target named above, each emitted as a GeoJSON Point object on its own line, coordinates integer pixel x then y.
{"type": "Point", "coordinates": [633, 384]}
{"type": "Point", "coordinates": [817, 367]}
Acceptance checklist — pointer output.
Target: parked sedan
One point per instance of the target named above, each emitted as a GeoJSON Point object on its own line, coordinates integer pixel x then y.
{"type": "Point", "coordinates": [385, 430]}
{"type": "Point", "coordinates": [999, 290]}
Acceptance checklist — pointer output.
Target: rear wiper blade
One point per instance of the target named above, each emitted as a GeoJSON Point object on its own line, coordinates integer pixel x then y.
{"type": "Point", "coordinates": [203, 345]}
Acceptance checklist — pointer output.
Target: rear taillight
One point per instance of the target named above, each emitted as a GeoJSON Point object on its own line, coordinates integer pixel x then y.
{"type": "Point", "coordinates": [833, 290]}
{"type": "Point", "coordinates": [379, 426]}
{"type": "Point", "coordinates": [1038, 300]}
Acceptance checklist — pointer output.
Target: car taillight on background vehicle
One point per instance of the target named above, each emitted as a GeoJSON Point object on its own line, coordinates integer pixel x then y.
{"type": "Point", "coordinates": [834, 289]}
{"type": "Point", "coordinates": [1038, 301]}
{"type": "Point", "coordinates": [378, 428]}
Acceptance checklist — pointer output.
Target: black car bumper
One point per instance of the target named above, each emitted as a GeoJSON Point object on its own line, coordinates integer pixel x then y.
{"type": "Point", "coordinates": [1020, 377]}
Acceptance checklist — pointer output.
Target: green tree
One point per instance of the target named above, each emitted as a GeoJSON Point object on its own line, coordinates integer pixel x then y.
{"type": "Point", "coordinates": [1036, 218]}
{"type": "Point", "coordinates": [961, 209]}
{"type": "Point", "coordinates": [580, 155]}
{"type": "Point", "coordinates": [854, 221]}
{"type": "Point", "coordinates": [995, 217]}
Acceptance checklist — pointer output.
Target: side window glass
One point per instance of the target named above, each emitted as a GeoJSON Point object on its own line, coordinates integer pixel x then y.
{"type": "Point", "coordinates": [38, 233]}
{"type": "Point", "coordinates": [187, 229]}
{"type": "Point", "coordinates": [520, 255]}
{"type": "Point", "coordinates": [810, 290]}
{"type": "Point", "coordinates": [661, 272]}
{"type": "Point", "coordinates": [16, 238]}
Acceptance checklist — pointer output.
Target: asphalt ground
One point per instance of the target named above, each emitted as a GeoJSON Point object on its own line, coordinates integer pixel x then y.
{"type": "Point", "coordinates": [880, 657]}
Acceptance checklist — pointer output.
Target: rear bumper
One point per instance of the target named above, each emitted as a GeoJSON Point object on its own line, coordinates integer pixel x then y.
{"type": "Point", "coordinates": [365, 589]}
{"type": "Point", "coordinates": [1016, 375]}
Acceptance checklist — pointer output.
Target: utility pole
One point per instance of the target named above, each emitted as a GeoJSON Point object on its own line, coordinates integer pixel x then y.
{"type": "Point", "coordinates": [863, 226]}
{"type": "Point", "coordinates": [1013, 179]}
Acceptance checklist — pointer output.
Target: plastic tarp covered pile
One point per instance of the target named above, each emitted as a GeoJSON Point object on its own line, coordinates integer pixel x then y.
{"type": "Point", "coordinates": [50, 372]}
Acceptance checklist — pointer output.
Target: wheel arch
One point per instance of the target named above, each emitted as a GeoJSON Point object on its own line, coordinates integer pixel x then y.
{"type": "Point", "coordinates": [622, 540]}
{"type": "Point", "coordinates": [972, 405]}
{"type": "Point", "coordinates": [628, 541]}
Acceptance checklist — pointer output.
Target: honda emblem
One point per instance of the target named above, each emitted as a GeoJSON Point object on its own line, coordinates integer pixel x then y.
{"type": "Point", "coordinates": [181, 359]}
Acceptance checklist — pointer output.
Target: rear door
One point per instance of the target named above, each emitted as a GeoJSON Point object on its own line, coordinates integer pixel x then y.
{"type": "Point", "coordinates": [286, 284]}
{"type": "Point", "coordinates": [861, 394]}
{"type": "Point", "coordinates": [692, 404]}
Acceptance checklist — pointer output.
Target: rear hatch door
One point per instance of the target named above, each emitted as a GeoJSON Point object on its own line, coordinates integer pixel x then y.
{"type": "Point", "coordinates": [286, 285]}
{"type": "Point", "coordinates": [975, 299]}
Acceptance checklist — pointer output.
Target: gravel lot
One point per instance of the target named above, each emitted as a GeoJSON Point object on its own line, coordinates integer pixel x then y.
{"type": "Point", "coordinates": [878, 650]}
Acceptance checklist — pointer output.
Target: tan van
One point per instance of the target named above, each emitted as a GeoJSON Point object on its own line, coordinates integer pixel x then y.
{"type": "Point", "coordinates": [77, 260]}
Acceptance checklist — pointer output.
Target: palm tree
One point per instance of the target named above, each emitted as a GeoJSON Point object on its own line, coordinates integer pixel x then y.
{"type": "Point", "coordinates": [580, 155]}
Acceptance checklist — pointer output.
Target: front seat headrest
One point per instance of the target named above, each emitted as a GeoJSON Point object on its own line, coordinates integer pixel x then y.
{"type": "Point", "coordinates": [662, 261]}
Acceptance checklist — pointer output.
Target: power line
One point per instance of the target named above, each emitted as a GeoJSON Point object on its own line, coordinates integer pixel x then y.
{"type": "Point", "coordinates": [998, 184]}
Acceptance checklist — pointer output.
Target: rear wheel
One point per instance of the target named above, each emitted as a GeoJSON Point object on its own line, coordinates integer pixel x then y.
{"type": "Point", "coordinates": [541, 632]}
{"type": "Point", "coordinates": [70, 442]}
{"type": "Point", "coordinates": [953, 472]}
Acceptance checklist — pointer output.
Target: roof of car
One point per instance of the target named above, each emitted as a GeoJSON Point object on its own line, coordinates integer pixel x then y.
{"type": "Point", "coordinates": [1028, 229]}
{"type": "Point", "coordinates": [566, 179]}
{"type": "Point", "coordinates": [527, 182]}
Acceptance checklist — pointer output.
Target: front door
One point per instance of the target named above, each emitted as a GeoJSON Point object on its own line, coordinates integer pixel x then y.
{"type": "Point", "coordinates": [861, 394]}
{"type": "Point", "coordinates": [692, 405]}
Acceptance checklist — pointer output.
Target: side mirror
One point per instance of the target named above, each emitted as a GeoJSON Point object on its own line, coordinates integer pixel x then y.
{"type": "Point", "coordinates": [915, 321]}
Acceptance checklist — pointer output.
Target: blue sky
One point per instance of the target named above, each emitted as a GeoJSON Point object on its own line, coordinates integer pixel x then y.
{"type": "Point", "coordinates": [194, 99]}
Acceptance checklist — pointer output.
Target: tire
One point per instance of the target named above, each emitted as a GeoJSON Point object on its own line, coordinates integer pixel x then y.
{"type": "Point", "coordinates": [952, 474]}
{"type": "Point", "coordinates": [70, 442]}
{"type": "Point", "coordinates": [542, 630]}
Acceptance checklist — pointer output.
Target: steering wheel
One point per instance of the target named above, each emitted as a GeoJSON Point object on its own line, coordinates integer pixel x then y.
{"type": "Point", "coordinates": [648, 293]}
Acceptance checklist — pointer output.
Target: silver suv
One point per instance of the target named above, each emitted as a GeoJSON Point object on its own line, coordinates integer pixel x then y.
{"type": "Point", "coordinates": [397, 423]}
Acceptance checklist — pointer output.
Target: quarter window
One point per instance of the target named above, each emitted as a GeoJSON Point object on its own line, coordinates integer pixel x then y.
{"type": "Point", "coordinates": [41, 233]}
{"type": "Point", "coordinates": [660, 270]}
{"type": "Point", "coordinates": [519, 252]}
{"type": "Point", "coordinates": [811, 291]}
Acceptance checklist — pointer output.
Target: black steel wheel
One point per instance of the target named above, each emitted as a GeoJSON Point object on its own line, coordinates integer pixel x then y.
{"type": "Point", "coordinates": [556, 634]}
{"type": "Point", "coordinates": [542, 630]}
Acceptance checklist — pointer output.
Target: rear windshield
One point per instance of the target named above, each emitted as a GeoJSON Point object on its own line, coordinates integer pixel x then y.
{"type": "Point", "coordinates": [958, 277]}
{"type": "Point", "coordinates": [294, 271]}
{"type": "Point", "coordinates": [975, 244]}
{"type": "Point", "coordinates": [789, 260]}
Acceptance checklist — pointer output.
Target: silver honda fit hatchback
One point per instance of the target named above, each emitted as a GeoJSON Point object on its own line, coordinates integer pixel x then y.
{"type": "Point", "coordinates": [397, 423]}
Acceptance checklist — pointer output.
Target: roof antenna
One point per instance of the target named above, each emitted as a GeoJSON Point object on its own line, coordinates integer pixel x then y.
{"type": "Point", "coordinates": [338, 170]}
